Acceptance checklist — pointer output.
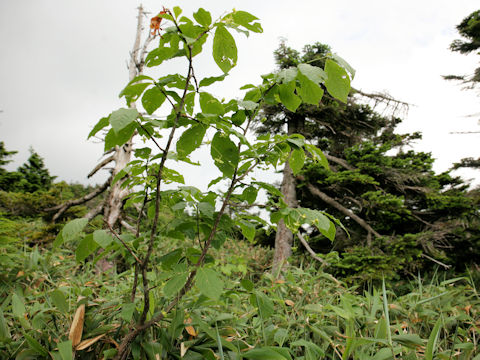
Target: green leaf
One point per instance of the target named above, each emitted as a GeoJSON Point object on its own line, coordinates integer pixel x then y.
{"type": "Point", "coordinates": [190, 102]}
{"type": "Point", "coordinates": [206, 209]}
{"type": "Point", "coordinates": [248, 229]}
{"type": "Point", "coordinates": [297, 140]}
{"type": "Point", "coordinates": [296, 160]}
{"type": "Point", "coordinates": [152, 100]}
{"type": "Point", "coordinates": [409, 340]}
{"type": "Point", "coordinates": [73, 228]}
{"type": "Point", "coordinates": [239, 117]}
{"type": "Point", "coordinates": [121, 118]}
{"type": "Point", "coordinates": [338, 82]}
{"type": "Point", "coordinates": [127, 311]}
{"type": "Point", "coordinates": [174, 285]}
{"type": "Point", "coordinates": [18, 308]}
{"type": "Point", "coordinates": [263, 354]}
{"type": "Point", "coordinates": [35, 345]}
{"type": "Point", "coordinates": [432, 340]}
{"type": "Point", "coordinates": [317, 155]}
{"type": "Point", "coordinates": [58, 240]}
{"type": "Point", "coordinates": [344, 64]}
{"type": "Point", "coordinates": [249, 194]}
{"type": "Point", "coordinates": [86, 247]}
{"type": "Point", "coordinates": [177, 11]}
{"type": "Point", "coordinates": [65, 350]}
{"type": "Point", "coordinates": [286, 76]}
{"type": "Point", "coordinates": [191, 139]}
{"type": "Point", "coordinates": [383, 354]}
{"type": "Point", "coordinates": [210, 105]}
{"type": "Point", "coordinates": [270, 188]}
{"type": "Point", "coordinates": [224, 153]}
{"type": "Point", "coordinates": [58, 299]}
{"type": "Point", "coordinates": [4, 330]}
{"type": "Point", "coordinates": [160, 54]}
{"type": "Point", "coordinates": [320, 221]}
{"type": "Point", "coordinates": [245, 19]}
{"type": "Point", "coordinates": [170, 175]}
{"type": "Point", "coordinates": [132, 92]}
{"type": "Point", "coordinates": [102, 238]}
{"type": "Point", "coordinates": [103, 122]}
{"type": "Point", "coordinates": [209, 283]}
{"type": "Point", "coordinates": [263, 303]}
{"type": "Point", "coordinates": [224, 49]}
{"type": "Point", "coordinates": [210, 80]}
{"type": "Point", "coordinates": [248, 105]}
{"type": "Point", "coordinates": [113, 139]}
{"type": "Point", "coordinates": [310, 92]}
{"type": "Point", "coordinates": [313, 73]}
{"type": "Point", "coordinates": [247, 284]}
{"type": "Point", "coordinates": [287, 96]}
{"type": "Point", "coordinates": [203, 17]}
{"type": "Point", "coordinates": [170, 259]}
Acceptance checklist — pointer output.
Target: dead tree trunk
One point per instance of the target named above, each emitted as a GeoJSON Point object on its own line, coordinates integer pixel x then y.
{"type": "Point", "coordinates": [122, 155]}
{"type": "Point", "coordinates": [112, 206]}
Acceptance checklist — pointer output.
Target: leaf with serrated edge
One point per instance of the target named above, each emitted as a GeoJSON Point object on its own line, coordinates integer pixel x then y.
{"type": "Point", "coordinates": [209, 283]}
{"type": "Point", "coordinates": [121, 118]}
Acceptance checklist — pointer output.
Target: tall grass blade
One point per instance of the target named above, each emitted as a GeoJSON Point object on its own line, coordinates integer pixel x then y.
{"type": "Point", "coordinates": [432, 340]}
{"type": "Point", "coordinates": [387, 316]}
{"type": "Point", "coordinates": [219, 342]}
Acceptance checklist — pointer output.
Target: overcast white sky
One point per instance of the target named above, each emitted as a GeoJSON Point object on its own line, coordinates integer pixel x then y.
{"type": "Point", "coordinates": [63, 63]}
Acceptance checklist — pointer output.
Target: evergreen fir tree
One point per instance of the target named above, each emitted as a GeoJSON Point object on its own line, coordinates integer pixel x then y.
{"type": "Point", "coordinates": [400, 215]}
{"type": "Point", "coordinates": [34, 175]}
{"type": "Point", "coordinates": [7, 179]}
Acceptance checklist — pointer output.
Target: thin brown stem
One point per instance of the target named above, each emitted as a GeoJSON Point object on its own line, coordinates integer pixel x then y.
{"type": "Point", "coordinates": [123, 243]}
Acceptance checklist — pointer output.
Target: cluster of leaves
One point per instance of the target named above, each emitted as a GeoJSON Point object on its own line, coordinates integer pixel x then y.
{"type": "Point", "coordinates": [308, 315]}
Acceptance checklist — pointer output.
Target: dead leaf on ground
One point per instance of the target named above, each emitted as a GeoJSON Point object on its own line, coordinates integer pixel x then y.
{"type": "Point", "coordinates": [89, 342]}
{"type": "Point", "coordinates": [76, 329]}
{"type": "Point", "coordinates": [191, 330]}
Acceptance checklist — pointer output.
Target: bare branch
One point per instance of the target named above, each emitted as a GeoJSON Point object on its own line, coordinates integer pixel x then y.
{"type": "Point", "coordinates": [97, 210]}
{"type": "Point", "coordinates": [332, 202]}
{"type": "Point", "coordinates": [436, 261]}
{"type": "Point", "coordinates": [310, 251]}
{"type": "Point", "coordinates": [101, 165]}
{"type": "Point", "coordinates": [127, 226]}
{"type": "Point", "coordinates": [67, 205]}
{"type": "Point", "coordinates": [123, 243]}
{"type": "Point", "coordinates": [339, 161]}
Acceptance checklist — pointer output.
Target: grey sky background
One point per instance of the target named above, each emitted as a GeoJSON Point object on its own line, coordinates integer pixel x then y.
{"type": "Point", "coordinates": [63, 63]}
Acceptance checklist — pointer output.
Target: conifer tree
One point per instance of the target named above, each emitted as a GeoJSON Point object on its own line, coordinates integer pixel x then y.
{"type": "Point", "coordinates": [399, 214]}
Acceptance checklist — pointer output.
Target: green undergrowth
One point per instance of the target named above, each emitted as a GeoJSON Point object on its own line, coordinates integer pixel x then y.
{"type": "Point", "coordinates": [307, 315]}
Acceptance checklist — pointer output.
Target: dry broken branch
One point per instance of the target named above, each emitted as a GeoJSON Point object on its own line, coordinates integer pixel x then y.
{"type": "Point", "coordinates": [67, 205]}
{"type": "Point", "coordinates": [309, 249]}
{"type": "Point", "coordinates": [332, 202]}
{"type": "Point", "coordinates": [100, 165]}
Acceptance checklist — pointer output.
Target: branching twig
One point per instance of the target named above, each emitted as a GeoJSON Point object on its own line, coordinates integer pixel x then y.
{"type": "Point", "coordinates": [332, 202]}
{"type": "Point", "coordinates": [67, 205]}
{"type": "Point", "coordinates": [436, 261]}
{"type": "Point", "coordinates": [123, 243]}
{"type": "Point", "coordinates": [309, 249]}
